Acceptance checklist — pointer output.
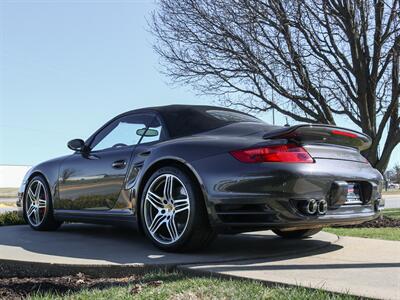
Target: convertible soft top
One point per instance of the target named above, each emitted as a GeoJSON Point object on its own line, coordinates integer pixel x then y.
{"type": "Point", "coordinates": [185, 120]}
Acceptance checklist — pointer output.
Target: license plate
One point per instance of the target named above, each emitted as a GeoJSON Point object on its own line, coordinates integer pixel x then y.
{"type": "Point", "coordinates": [353, 193]}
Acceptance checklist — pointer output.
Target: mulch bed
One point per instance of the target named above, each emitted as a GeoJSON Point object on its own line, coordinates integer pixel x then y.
{"type": "Point", "coordinates": [21, 288]}
{"type": "Point", "coordinates": [380, 222]}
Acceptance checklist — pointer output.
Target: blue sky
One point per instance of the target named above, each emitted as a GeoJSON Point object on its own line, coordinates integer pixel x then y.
{"type": "Point", "coordinates": [66, 67]}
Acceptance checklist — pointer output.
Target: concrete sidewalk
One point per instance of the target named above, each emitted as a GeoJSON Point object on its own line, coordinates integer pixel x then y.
{"type": "Point", "coordinates": [361, 267]}
{"type": "Point", "coordinates": [86, 244]}
{"type": "Point", "coordinates": [392, 201]}
{"type": "Point", "coordinates": [358, 266]}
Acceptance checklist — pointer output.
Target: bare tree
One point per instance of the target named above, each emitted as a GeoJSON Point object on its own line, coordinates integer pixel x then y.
{"type": "Point", "coordinates": [312, 60]}
{"type": "Point", "coordinates": [396, 172]}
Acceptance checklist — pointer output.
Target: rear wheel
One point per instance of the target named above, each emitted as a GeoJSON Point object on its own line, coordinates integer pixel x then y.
{"type": "Point", "coordinates": [173, 215]}
{"type": "Point", "coordinates": [38, 207]}
{"type": "Point", "coordinates": [297, 234]}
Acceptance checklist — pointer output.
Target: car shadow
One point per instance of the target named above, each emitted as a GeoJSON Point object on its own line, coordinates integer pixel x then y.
{"type": "Point", "coordinates": [97, 244]}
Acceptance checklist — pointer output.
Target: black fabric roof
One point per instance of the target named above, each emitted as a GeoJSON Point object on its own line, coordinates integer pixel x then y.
{"type": "Point", "coordinates": [185, 120]}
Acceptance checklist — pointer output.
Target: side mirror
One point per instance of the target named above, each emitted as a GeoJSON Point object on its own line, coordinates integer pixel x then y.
{"type": "Point", "coordinates": [77, 145]}
{"type": "Point", "coordinates": [148, 133]}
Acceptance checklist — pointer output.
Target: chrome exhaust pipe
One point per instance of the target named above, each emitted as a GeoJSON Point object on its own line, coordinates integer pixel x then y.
{"type": "Point", "coordinates": [311, 207]}
{"type": "Point", "coordinates": [322, 207]}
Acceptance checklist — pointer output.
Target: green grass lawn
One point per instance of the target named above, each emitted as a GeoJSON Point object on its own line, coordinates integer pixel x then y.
{"type": "Point", "coordinates": [393, 213]}
{"type": "Point", "coordinates": [11, 218]}
{"type": "Point", "coordinates": [178, 286]}
{"type": "Point", "coordinates": [386, 233]}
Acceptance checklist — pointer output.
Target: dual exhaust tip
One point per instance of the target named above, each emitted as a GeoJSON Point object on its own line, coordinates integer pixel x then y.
{"type": "Point", "coordinates": [313, 207]}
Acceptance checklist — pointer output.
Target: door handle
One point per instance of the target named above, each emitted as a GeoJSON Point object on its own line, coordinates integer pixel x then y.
{"type": "Point", "coordinates": [119, 164]}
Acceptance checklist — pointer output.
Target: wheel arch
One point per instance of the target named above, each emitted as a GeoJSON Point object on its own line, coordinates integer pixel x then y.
{"type": "Point", "coordinates": [164, 162]}
{"type": "Point", "coordinates": [41, 174]}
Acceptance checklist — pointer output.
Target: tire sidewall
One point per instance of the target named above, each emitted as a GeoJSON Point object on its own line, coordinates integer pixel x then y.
{"type": "Point", "coordinates": [193, 198]}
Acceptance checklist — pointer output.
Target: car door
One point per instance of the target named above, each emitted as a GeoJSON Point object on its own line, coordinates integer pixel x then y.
{"type": "Point", "coordinates": [154, 134]}
{"type": "Point", "coordinates": [93, 180]}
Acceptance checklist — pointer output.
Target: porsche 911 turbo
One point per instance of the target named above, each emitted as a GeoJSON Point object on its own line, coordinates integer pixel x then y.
{"type": "Point", "coordinates": [182, 174]}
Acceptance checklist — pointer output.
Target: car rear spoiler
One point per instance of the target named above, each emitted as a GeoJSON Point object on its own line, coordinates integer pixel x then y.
{"type": "Point", "coordinates": [321, 133]}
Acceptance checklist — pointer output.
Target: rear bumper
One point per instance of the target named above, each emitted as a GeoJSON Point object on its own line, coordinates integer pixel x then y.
{"type": "Point", "coordinates": [243, 197]}
{"type": "Point", "coordinates": [286, 218]}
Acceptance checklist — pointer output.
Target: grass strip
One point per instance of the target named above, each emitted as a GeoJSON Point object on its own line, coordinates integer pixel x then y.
{"type": "Point", "coordinates": [178, 286]}
{"type": "Point", "coordinates": [385, 233]}
{"type": "Point", "coordinates": [11, 218]}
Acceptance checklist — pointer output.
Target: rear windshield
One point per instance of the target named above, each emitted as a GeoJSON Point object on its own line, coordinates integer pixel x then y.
{"type": "Point", "coordinates": [231, 116]}
{"type": "Point", "coordinates": [185, 121]}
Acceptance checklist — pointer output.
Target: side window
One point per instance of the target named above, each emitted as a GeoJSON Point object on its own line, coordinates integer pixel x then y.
{"type": "Point", "coordinates": [123, 132]}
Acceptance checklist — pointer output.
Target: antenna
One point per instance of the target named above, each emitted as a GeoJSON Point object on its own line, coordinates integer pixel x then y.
{"type": "Point", "coordinates": [273, 116]}
{"type": "Point", "coordinates": [273, 109]}
{"type": "Point", "coordinates": [287, 122]}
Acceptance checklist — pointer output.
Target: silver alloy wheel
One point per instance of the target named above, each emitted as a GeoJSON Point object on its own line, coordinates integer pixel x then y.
{"type": "Point", "coordinates": [166, 209]}
{"type": "Point", "coordinates": [36, 203]}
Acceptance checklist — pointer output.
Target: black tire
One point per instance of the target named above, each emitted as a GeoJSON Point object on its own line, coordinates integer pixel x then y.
{"type": "Point", "coordinates": [198, 232]}
{"type": "Point", "coordinates": [49, 222]}
{"type": "Point", "coordinates": [297, 234]}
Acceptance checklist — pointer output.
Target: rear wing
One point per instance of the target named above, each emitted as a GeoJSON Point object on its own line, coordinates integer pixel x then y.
{"type": "Point", "coordinates": [321, 133]}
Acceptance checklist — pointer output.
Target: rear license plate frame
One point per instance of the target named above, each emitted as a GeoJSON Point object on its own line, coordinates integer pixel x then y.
{"type": "Point", "coordinates": [354, 195]}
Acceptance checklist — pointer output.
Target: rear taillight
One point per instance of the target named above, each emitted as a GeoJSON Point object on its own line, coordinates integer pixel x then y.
{"type": "Point", "coordinates": [289, 153]}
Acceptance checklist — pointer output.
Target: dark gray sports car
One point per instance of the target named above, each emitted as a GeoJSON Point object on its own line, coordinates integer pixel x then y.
{"type": "Point", "coordinates": [182, 174]}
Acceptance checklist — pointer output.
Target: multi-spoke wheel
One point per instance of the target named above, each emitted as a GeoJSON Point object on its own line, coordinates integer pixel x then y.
{"type": "Point", "coordinates": [36, 203]}
{"type": "Point", "coordinates": [166, 208]}
{"type": "Point", "coordinates": [172, 211]}
{"type": "Point", "coordinates": [38, 210]}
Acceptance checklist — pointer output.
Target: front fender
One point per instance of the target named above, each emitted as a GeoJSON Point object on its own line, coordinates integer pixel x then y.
{"type": "Point", "coordinates": [49, 170]}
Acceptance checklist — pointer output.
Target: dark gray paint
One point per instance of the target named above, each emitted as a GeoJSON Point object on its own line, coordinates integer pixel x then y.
{"type": "Point", "coordinates": [113, 195]}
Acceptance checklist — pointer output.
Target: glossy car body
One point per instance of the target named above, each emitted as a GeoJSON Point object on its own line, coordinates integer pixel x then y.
{"type": "Point", "coordinates": [105, 186]}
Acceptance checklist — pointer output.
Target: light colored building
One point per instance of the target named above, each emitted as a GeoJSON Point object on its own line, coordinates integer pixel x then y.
{"type": "Point", "coordinates": [11, 176]}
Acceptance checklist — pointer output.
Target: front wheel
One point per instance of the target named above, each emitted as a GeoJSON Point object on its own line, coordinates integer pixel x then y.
{"type": "Point", "coordinates": [38, 208]}
{"type": "Point", "coordinates": [297, 234]}
{"type": "Point", "coordinates": [173, 213]}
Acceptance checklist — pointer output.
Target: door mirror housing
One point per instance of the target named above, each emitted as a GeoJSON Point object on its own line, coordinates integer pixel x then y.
{"type": "Point", "coordinates": [77, 145]}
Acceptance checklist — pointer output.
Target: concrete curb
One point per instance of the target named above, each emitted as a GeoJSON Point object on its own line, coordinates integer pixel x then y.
{"type": "Point", "coordinates": [267, 283]}
{"type": "Point", "coordinates": [10, 268]}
